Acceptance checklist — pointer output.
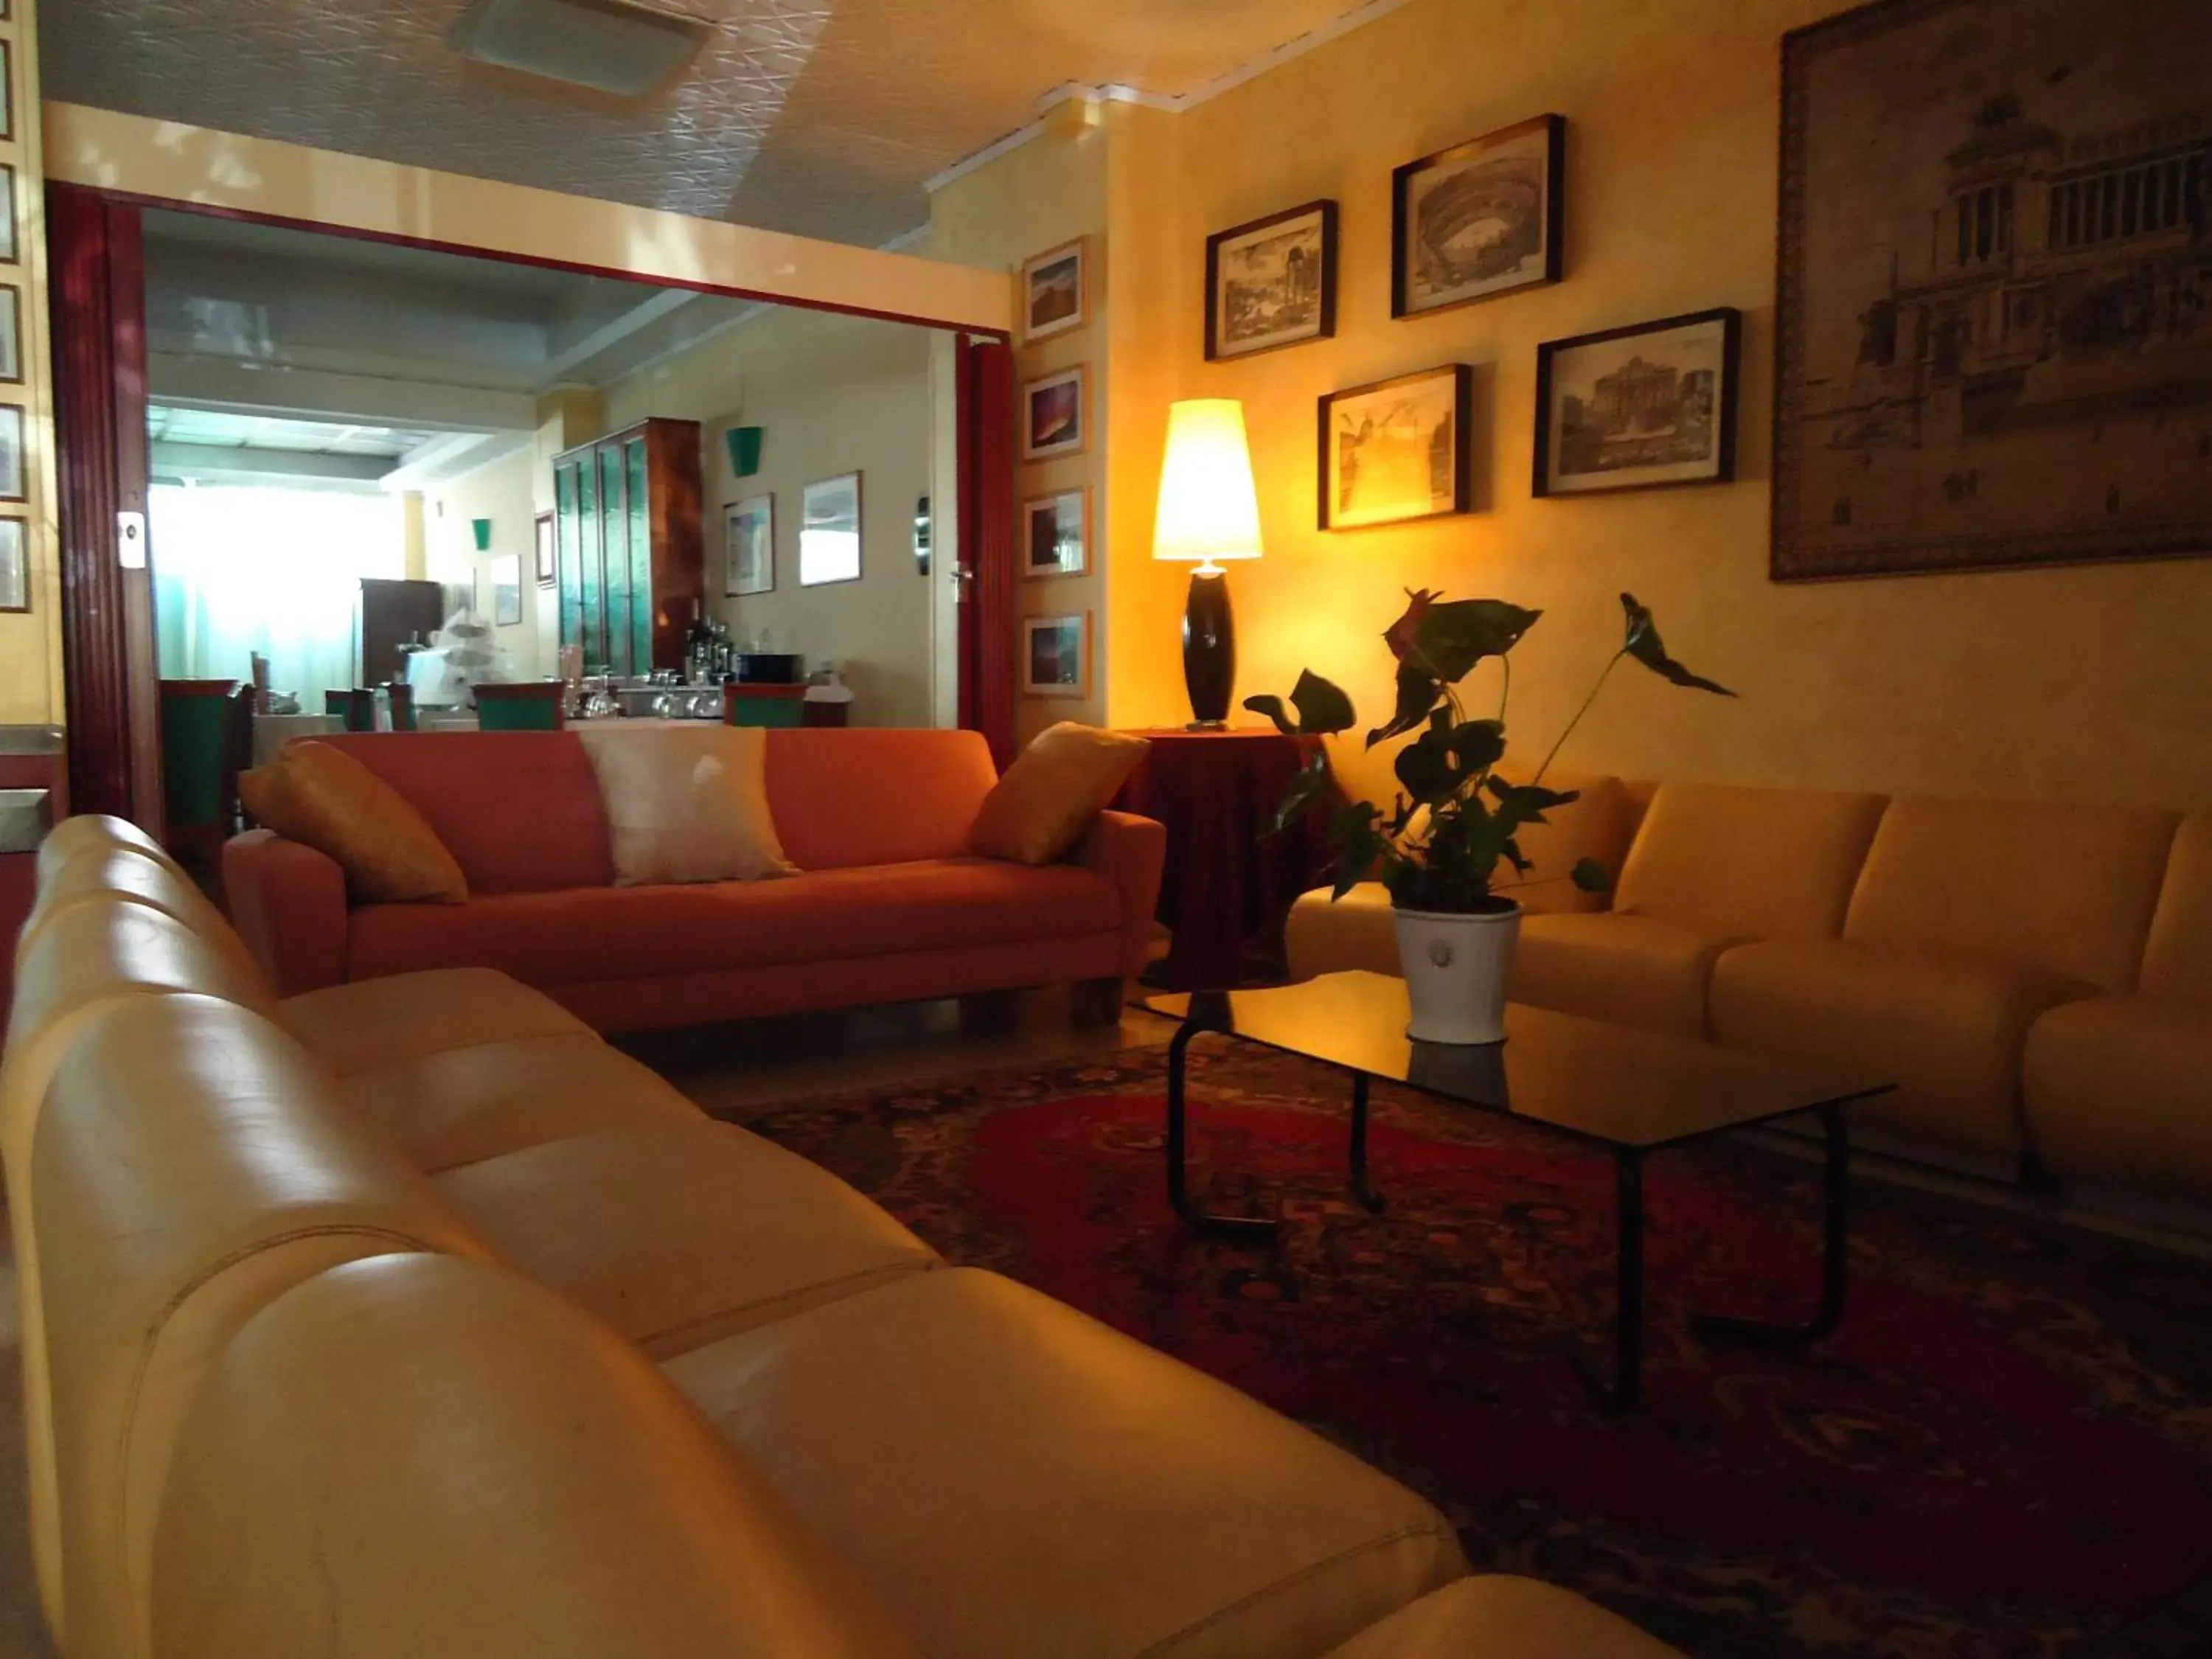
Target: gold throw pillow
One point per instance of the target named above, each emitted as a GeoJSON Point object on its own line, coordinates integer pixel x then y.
{"type": "Point", "coordinates": [686, 803]}
{"type": "Point", "coordinates": [326, 798]}
{"type": "Point", "coordinates": [1050, 795]}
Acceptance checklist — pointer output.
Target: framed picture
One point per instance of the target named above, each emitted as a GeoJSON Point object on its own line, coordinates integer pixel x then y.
{"type": "Point", "coordinates": [749, 546]}
{"type": "Point", "coordinates": [1396, 450]}
{"type": "Point", "coordinates": [830, 531]}
{"type": "Point", "coordinates": [1055, 414]}
{"type": "Point", "coordinates": [11, 453]}
{"type": "Point", "coordinates": [1055, 296]}
{"type": "Point", "coordinates": [15, 565]}
{"type": "Point", "coordinates": [9, 251]}
{"type": "Point", "coordinates": [507, 590]}
{"type": "Point", "coordinates": [547, 573]}
{"type": "Point", "coordinates": [1271, 282]}
{"type": "Point", "coordinates": [1056, 655]}
{"type": "Point", "coordinates": [11, 335]}
{"type": "Point", "coordinates": [1990, 312]}
{"type": "Point", "coordinates": [6, 92]}
{"type": "Point", "coordinates": [1479, 219]}
{"type": "Point", "coordinates": [1058, 539]}
{"type": "Point", "coordinates": [1638, 408]}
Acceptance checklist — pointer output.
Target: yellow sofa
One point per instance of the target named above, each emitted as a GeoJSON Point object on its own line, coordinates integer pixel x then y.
{"type": "Point", "coordinates": [409, 1318]}
{"type": "Point", "coordinates": [2037, 978]}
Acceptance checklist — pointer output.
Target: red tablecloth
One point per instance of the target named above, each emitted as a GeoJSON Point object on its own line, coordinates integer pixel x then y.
{"type": "Point", "coordinates": [1226, 890]}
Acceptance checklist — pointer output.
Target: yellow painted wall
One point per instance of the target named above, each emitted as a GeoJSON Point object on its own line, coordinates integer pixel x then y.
{"type": "Point", "coordinates": [505, 493]}
{"type": "Point", "coordinates": [2088, 683]}
{"type": "Point", "coordinates": [832, 394]}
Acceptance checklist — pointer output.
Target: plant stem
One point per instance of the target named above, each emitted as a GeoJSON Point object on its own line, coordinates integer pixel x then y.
{"type": "Point", "coordinates": [1611, 664]}
{"type": "Point", "coordinates": [1505, 686]}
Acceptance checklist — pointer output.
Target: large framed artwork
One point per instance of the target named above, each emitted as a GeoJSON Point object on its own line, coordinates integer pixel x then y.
{"type": "Point", "coordinates": [1638, 408]}
{"type": "Point", "coordinates": [1995, 309]}
{"type": "Point", "coordinates": [1396, 450]}
{"type": "Point", "coordinates": [1271, 282]}
{"type": "Point", "coordinates": [1479, 219]}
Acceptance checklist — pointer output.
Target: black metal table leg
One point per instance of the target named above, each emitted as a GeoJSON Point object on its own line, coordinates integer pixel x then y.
{"type": "Point", "coordinates": [1178, 1193]}
{"type": "Point", "coordinates": [1360, 1190]}
{"type": "Point", "coordinates": [1621, 1393]}
{"type": "Point", "coordinates": [1835, 1256]}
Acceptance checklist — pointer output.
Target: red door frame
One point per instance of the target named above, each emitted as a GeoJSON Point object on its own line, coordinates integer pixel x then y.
{"type": "Point", "coordinates": [984, 394]}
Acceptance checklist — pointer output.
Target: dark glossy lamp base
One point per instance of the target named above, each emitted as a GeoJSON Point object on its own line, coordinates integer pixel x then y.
{"type": "Point", "coordinates": [1209, 649]}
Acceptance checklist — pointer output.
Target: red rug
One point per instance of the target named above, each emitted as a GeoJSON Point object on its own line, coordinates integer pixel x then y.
{"type": "Point", "coordinates": [2005, 1450]}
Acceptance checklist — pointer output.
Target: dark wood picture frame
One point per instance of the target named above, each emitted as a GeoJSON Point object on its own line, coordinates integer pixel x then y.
{"type": "Point", "coordinates": [543, 538]}
{"type": "Point", "coordinates": [1463, 377]}
{"type": "Point", "coordinates": [1726, 400]}
{"type": "Point", "coordinates": [1325, 326]}
{"type": "Point", "coordinates": [1554, 198]}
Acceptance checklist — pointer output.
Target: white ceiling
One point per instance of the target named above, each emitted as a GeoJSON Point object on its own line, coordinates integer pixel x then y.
{"type": "Point", "coordinates": [819, 117]}
{"type": "Point", "coordinates": [223, 429]}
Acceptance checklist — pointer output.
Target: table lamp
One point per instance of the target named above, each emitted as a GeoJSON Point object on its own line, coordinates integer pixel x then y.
{"type": "Point", "coordinates": [1208, 511]}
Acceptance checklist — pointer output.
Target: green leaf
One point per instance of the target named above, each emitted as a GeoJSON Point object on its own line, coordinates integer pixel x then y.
{"type": "Point", "coordinates": [1324, 708]}
{"type": "Point", "coordinates": [1521, 865]}
{"type": "Point", "coordinates": [1362, 848]}
{"type": "Point", "coordinates": [1424, 767]}
{"type": "Point", "coordinates": [1417, 694]}
{"type": "Point", "coordinates": [1272, 707]}
{"type": "Point", "coordinates": [1478, 745]}
{"type": "Point", "coordinates": [1592, 877]}
{"type": "Point", "coordinates": [1453, 637]}
{"type": "Point", "coordinates": [1527, 803]}
{"type": "Point", "coordinates": [1305, 789]}
{"type": "Point", "coordinates": [1644, 645]}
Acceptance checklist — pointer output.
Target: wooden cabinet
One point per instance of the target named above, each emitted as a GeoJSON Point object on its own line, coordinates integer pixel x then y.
{"type": "Point", "coordinates": [627, 542]}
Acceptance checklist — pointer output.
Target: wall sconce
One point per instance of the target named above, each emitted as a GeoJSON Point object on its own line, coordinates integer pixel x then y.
{"type": "Point", "coordinates": [482, 530]}
{"type": "Point", "coordinates": [745, 442]}
{"type": "Point", "coordinates": [923, 525]}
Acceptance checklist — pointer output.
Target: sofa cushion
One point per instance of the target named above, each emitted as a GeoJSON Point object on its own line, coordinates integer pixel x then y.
{"type": "Point", "coordinates": [686, 803]}
{"type": "Point", "coordinates": [2178, 960]}
{"type": "Point", "coordinates": [682, 1233]}
{"type": "Point", "coordinates": [1633, 970]}
{"type": "Point", "coordinates": [1508, 1617]}
{"type": "Point", "coordinates": [520, 811]}
{"type": "Point", "coordinates": [458, 1105]}
{"type": "Point", "coordinates": [1947, 1029]}
{"type": "Point", "coordinates": [1735, 863]}
{"type": "Point", "coordinates": [2119, 1096]}
{"type": "Point", "coordinates": [1327, 935]}
{"type": "Point", "coordinates": [844, 797]}
{"type": "Point", "coordinates": [383, 1021]}
{"type": "Point", "coordinates": [1053, 793]}
{"type": "Point", "coordinates": [2066, 889]}
{"type": "Point", "coordinates": [120, 870]}
{"type": "Point", "coordinates": [327, 799]}
{"type": "Point", "coordinates": [632, 933]}
{"type": "Point", "coordinates": [1009, 1478]}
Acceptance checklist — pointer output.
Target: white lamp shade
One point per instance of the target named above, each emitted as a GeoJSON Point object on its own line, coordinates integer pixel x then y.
{"type": "Point", "coordinates": [1208, 509]}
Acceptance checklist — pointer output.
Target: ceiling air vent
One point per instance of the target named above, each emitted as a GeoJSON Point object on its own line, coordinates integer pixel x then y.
{"type": "Point", "coordinates": [605, 45]}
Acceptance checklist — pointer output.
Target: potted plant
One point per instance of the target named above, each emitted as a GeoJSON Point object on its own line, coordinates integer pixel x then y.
{"type": "Point", "coordinates": [1455, 819]}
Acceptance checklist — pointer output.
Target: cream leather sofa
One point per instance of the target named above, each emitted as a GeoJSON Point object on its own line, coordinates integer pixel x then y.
{"type": "Point", "coordinates": [2038, 979]}
{"type": "Point", "coordinates": [407, 1320]}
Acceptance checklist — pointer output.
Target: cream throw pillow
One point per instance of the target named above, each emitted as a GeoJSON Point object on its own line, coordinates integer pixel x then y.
{"type": "Point", "coordinates": [1056, 788]}
{"type": "Point", "coordinates": [686, 804]}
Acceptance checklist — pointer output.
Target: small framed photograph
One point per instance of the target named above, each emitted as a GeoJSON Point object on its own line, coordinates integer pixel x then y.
{"type": "Point", "coordinates": [9, 252]}
{"type": "Point", "coordinates": [1271, 282]}
{"type": "Point", "coordinates": [6, 92]}
{"type": "Point", "coordinates": [1056, 655]}
{"type": "Point", "coordinates": [830, 531]}
{"type": "Point", "coordinates": [1055, 414]}
{"type": "Point", "coordinates": [1396, 450]}
{"type": "Point", "coordinates": [1638, 408]}
{"type": "Point", "coordinates": [543, 529]}
{"type": "Point", "coordinates": [1479, 219]}
{"type": "Point", "coordinates": [1055, 294]}
{"type": "Point", "coordinates": [749, 546]}
{"type": "Point", "coordinates": [15, 565]}
{"type": "Point", "coordinates": [11, 453]}
{"type": "Point", "coordinates": [11, 335]}
{"type": "Point", "coordinates": [1057, 542]}
{"type": "Point", "coordinates": [507, 590]}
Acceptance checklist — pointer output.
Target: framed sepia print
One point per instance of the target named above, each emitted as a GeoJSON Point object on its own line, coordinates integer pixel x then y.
{"type": "Point", "coordinates": [1638, 408]}
{"type": "Point", "coordinates": [1056, 539]}
{"type": "Point", "coordinates": [1479, 219]}
{"type": "Point", "coordinates": [1056, 655]}
{"type": "Point", "coordinates": [749, 546]}
{"type": "Point", "coordinates": [1994, 312]}
{"type": "Point", "coordinates": [830, 531]}
{"type": "Point", "coordinates": [1271, 282]}
{"type": "Point", "coordinates": [11, 453]}
{"type": "Point", "coordinates": [1396, 450]}
{"type": "Point", "coordinates": [1055, 294]}
{"type": "Point", "coordinates": [1055, 414]}
{"type": "Point", "coordinates": [15, 565]}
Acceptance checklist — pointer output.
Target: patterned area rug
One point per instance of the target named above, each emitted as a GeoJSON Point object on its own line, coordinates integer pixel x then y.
{"type": "Point", "coordinates": [2006, 1450]}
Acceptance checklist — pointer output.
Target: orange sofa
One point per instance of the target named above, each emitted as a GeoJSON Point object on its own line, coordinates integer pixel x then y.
{"type": "Point", "coordinates": [890, 908]}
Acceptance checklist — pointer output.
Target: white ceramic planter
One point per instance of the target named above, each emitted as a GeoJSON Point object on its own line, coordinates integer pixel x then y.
{"type": "Point", "coordinates": [1456, 968]}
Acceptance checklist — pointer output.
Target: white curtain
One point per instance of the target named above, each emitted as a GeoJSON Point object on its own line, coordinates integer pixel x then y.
{"type": "Point", "coordinates": [240, 570]}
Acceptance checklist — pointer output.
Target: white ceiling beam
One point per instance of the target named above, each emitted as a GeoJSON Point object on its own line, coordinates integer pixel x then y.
{"type": "Point", "coordinates": [237, 463]}
{"type": "Point", "coordinates": [443, 460]}
{"type": "Point", "coordinates": [571, 347]}
{"type": "Point", "coordinates": [322, 395]}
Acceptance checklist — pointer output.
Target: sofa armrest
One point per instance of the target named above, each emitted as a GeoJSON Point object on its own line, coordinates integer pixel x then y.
{"type": "Point", "coordinates": [1129, 851]}
{"type": "Point", "coordinates": [1508, 1617]}
{"type": "Point", "coordinates": [288, 902]}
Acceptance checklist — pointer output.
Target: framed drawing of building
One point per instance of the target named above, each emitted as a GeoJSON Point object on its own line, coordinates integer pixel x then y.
{"type": "Point", "coordinates": [1995, 311]}
{"type": "Point", "coordinates": [1638, 408]}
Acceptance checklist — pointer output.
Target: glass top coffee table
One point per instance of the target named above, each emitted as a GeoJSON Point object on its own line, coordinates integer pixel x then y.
{"type": "Point", "coordinates": [1621, 1090]}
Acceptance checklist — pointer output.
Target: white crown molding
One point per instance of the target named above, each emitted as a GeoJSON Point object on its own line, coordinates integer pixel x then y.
{"type": "Point", "coordinates": [1174, 103]}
